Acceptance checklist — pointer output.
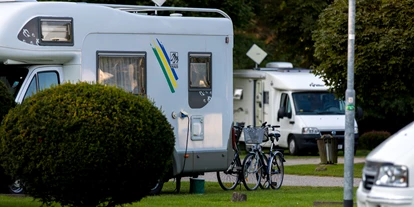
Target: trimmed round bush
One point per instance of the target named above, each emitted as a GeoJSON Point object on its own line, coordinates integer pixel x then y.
{"type": "Point", "coordinates": [87, 145]}
{"type": "Point", "coordinates": [370, 140]}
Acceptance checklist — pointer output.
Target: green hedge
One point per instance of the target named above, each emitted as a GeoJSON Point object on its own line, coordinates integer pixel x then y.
{"type": "Point", "coordinates": [87, 145]}
{"type": "Point", "coordinates": [6, 100]}
{"type": "Point", "coordinates": [6, 103]}
{"type": "Point", "coordinates": [372, 139]}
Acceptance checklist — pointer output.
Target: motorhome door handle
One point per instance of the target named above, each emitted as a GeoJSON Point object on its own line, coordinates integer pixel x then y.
{"type": "Point", "coordinates": [291, 122]}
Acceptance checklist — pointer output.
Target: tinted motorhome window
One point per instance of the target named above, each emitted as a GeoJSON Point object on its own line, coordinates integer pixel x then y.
{"type": "Point", "coordinates": [199, 79]}
{"type": "Point", "coordinates": [126, 71]}
{"type": "Point", "coordinates": [200, 71]}
{"type": "Point", "coordinates": [312, 103]}
{"type": "Point", "coordinates": [47, 79]}
{"type": "Point", "coordinates": [13, 77]}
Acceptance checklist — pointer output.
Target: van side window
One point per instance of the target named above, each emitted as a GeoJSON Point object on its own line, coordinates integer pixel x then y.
{"type": "Point", "coordinates": [199, 79]}
{"type": "Point", "coordinates": [40, 81]}
{"type": "Point", "coordinates": [123, 70]}
{"type": "Point", "coordinates": [32, 88]}
{"type": "Point", "coordinates": [285, 103]}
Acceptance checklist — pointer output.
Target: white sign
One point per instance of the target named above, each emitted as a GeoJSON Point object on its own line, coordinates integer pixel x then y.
{"type": "Point", "coordinates": [256, 54]}
{"type": "Point", "coordinates": [158, 2]}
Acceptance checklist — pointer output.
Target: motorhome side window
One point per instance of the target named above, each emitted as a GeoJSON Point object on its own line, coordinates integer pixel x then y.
{"type": "Point", "coordinates": [48, 31]}
{"type": "Point", "coordinates": [199, 79]}
{"type": "Point", "coordinates": [285, 103]}
{"type": "Point", "coordinates": [123, 70]}
{"type": "Point", "coordinates": [200, 71]}
{"type": "Point", "coordinates": [40, 81]}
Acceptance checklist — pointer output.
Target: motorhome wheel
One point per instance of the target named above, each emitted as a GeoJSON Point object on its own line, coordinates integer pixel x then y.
{"type": "Point", "coordinates": [293, 150]}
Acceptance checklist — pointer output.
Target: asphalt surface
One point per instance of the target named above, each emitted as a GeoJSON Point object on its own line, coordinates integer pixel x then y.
{"type": "Point", "coordinates": [297, 180]}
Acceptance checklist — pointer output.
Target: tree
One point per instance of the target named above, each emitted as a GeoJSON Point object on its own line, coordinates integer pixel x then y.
{"type": "Point", "coordinates": [86, 145]}
{"type": "Point", "coordinates": [383, 56]}
{"type": "Point", "coordinates": [286, 26]}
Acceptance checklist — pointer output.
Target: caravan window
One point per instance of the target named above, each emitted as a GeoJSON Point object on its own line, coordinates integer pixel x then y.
{"type": "Point", "coordinates": [124, 70]}
{"type": "Point", "coordinates": [199, 79]}
{"type": "Point", "coordinates": [200, 71]}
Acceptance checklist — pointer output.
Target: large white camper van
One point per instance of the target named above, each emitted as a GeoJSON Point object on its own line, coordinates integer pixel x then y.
{"type": "Point", "coordinates": [183, 63]}
{"type": "Point", "coordinates": [294, 99]}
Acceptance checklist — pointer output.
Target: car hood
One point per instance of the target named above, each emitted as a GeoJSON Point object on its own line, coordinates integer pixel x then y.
{"type": "Point", "coordinates": [397, 149]}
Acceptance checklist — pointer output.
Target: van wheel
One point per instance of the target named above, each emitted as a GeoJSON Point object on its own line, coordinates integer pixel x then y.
{"type": "Point", "coordinates": [293, 149]}
{"type": "Point", "coordinates": [156, 190]}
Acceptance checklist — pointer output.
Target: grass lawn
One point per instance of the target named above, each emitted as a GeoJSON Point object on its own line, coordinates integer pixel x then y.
{"type": "Point", "coordinates": [214, 196]}
{"type": "Point", "coordinates": [336, 170]}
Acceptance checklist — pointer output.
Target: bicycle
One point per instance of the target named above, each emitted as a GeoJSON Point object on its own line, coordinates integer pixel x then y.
{"type": "Point", "coordinates": [231, 177]}
{"type": "Point", "coordinates": [260, 169]}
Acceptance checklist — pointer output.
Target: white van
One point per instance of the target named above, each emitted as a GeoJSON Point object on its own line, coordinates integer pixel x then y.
{"type": "Point", "coordinates": [388, 172]}
{"type": "Point", "coordinates": [293, 98]}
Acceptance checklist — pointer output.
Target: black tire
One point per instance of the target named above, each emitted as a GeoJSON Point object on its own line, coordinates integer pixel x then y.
{"type": "Point", "coordinates": [251, 172]}
{"type": "Point", "coordinates": [16, 187]}
{"type": "Point", "coordinates": [276, 171]}
{"type": "Point", "coordinates": [264, 180]}
{"type": "Point", "coordinates": [229, 179]}
{"type": "Point", "coordinates": [156, 190]}
{"type": "Point", "coordinates": [293, 147]}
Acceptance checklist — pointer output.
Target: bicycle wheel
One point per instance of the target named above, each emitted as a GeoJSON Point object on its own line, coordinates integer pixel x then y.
{"type": "Point", "coordinates": [264, 180]}
{"type": "Point", "coordinates": [229, 179]}
{"type": "Point", "coordinates": [251, 172]}
{"type": "Point", "coordinates": [276, 171]}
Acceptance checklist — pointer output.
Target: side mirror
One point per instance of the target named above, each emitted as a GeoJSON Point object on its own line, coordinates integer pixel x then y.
{"type": "Point", "coordinates": [359, 113]}
{"type": "Point", "coordinates": [289, 115]}
{"type": "Point", "coordinates": [280, 113]}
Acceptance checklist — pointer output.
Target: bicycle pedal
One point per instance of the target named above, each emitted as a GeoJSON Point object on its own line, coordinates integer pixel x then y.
{"type": "Point", "coordinates": [274, 184]}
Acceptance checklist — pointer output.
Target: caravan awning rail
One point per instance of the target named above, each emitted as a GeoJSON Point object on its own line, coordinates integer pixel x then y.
{"type": "Point", "coordinates": [137, 8]}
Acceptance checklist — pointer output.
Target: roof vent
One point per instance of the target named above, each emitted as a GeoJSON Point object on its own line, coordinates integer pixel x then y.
{"type": "Point", "coordinates": [279, 65]}
{"type": "Point", "coordinates": [176, 15]}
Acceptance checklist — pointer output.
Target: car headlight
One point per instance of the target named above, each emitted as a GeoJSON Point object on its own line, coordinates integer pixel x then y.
{"type": "Point", "coordinates": [310, 130]}
{"type": "Point", "coordinates": [392, 175]}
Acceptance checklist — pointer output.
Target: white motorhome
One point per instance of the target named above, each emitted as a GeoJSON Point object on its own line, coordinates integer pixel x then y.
{"type": "Point", "coordinates": [294, 99]}
{"type": "Point", "coordinates": [388, 172]}
{"type": "Point", "coordinates": [183, 63]}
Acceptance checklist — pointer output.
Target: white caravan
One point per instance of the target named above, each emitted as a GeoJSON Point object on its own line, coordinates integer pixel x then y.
{"type": "Point", "coordinates": [294, 99]}
{"type": "Point", "coordinates": [388, 172]}
{"type": "Point", "coordinates": [183, 63]}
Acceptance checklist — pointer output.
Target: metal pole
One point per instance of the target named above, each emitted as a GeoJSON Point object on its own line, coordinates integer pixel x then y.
{"type": "Point", "coordinates": [350, 112]}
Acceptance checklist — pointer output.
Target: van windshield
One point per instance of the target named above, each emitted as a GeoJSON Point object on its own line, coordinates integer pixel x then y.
{"type": "Point", "coordinates": [13, 77]}
{"type": "Point", "coordinates": [316, 103]}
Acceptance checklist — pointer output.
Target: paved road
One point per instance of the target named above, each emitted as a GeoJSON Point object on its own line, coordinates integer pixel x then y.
{"type": "Point", "coordinates": [296, 180]}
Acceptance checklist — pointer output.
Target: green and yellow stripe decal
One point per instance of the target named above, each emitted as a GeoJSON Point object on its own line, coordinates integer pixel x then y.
{"type": "Point", "coordinates": [164, 61]}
